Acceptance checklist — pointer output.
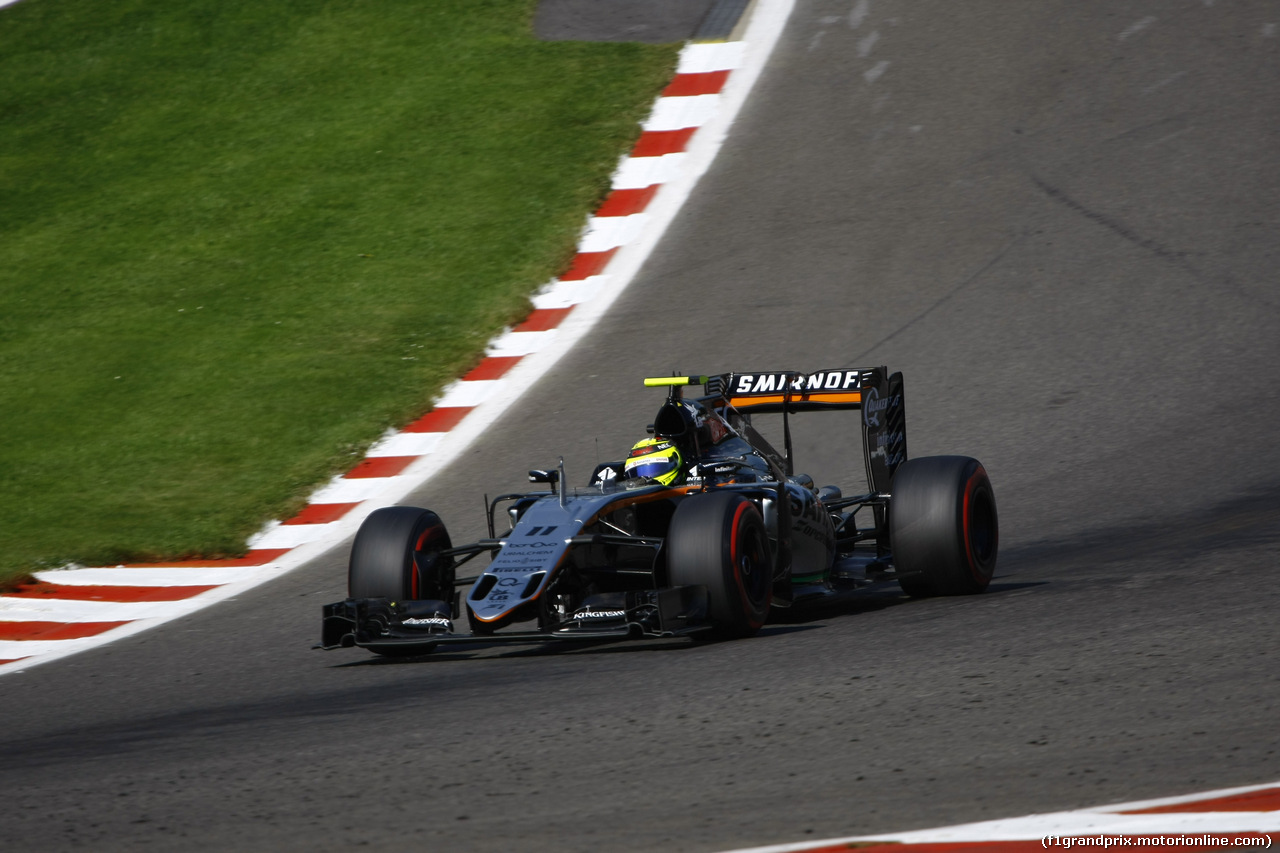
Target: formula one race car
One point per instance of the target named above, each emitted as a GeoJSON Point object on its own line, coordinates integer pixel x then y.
{"type": "Point", "coordinates": [703, 530]}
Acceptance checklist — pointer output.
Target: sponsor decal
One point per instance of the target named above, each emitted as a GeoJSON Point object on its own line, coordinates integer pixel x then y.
{"type": "Point", "coordinates": [525, 555]}
{"type": "Point", "coordinates": [600, 614]}
{"type": "Point", "coordinates": [647, 450]}
{"type": "Point", "coordinates": [541, 531]}
{"type": "Point", "coordinates": [809, 383]}
{"type": "Point", "coordinates": [760, 383]}
{"type": "Point", "coordinates": [892, 452]}
{"type": "Point", "coordinates": [435, 620]}
{"type": "Point", "coordinates": [509, 582]}
{"type": "Point", "coordinates": [873, 406]}
{"type": "Point", "coordinates": [887, 439]}
{"type": "Point", "coordinates": [830, 380]}
{"type": "Point", "coordinates": [518, 557]}
{"type": "Point", "coordinates": [813, 531]}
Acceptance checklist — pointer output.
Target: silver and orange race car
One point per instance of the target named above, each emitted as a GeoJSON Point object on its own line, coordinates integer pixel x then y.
{"type": "Point", "coordinates": [708, 548]}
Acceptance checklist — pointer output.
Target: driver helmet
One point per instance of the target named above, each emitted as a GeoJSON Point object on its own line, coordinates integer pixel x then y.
{"type": "Point", "coordinates": [654, 459]}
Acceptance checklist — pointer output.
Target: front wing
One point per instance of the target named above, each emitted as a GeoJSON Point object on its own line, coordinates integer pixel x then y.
{"type": "Point", "coordinates": [380, 624]}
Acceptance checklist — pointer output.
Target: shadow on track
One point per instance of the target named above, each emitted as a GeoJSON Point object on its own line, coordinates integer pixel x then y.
{"type": "Point", "coordinates": [1244, 522]}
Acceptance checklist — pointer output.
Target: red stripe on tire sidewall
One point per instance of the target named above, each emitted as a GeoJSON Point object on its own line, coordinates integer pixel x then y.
{"type": "Point", "coordinates": [415, 584]}
{"type": "Point", "coordinates": [737, 574]}
{"type": "Point", "coordinates": [427, 535]}
{"type": "Point", "coordinates": [968, 543]}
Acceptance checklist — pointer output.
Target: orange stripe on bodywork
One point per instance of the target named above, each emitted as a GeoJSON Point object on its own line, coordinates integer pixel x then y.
{"type": "Point", "coordinates": [854, 397]}
{"type": "Point", "coordinates": [815, 397]}
{"type": "Point", "coordinates": [747, 402]}
{"type": "Point", "coordinates": [641, 499]}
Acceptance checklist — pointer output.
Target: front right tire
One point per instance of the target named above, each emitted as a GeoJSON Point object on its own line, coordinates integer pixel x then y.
{"type": "Point", "coordinates": [396, 555]}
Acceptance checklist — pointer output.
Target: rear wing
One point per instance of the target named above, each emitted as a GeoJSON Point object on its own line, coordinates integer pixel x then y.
{"type": "Point", "coordinates": [790, 391]}
{"type": "Point", "coordinates": [873, 390]}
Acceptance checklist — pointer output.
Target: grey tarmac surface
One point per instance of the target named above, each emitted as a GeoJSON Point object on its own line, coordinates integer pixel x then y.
{"type": "Point", "coordinates": [1059, 219]}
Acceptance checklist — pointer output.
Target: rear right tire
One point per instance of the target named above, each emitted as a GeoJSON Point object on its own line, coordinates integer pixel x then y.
{"type": "Point", "coordinates": [943, 526]}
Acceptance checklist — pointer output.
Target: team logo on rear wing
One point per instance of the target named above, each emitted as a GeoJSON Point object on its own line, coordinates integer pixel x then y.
{"type": "Point", "coordinates": [767, 391]}
{"type": "Point", "coordinates": [752, 384]}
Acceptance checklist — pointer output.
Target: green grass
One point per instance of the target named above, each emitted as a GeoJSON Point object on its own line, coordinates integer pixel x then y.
{"type": "Point", "coordinates": [241, 238]}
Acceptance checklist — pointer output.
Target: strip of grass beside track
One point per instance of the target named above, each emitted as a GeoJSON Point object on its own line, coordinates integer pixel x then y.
{"type": "Point", "coordinates": [241, 238]}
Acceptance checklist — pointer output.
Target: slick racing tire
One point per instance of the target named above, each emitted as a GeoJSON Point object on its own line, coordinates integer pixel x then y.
{"type": "Point", "coordinates": [718, 540]}
{"type": "Point", "coordinates": [942, 526]}
{"type": "Point", "coordinates": [396, 555]}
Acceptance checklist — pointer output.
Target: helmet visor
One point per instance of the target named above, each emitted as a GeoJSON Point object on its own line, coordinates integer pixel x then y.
{"type": "Point", "coordinates": [651, 468]}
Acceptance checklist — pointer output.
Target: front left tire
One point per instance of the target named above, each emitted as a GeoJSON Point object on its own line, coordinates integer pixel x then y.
{"type": "Point", "coordinates": [718, 540]}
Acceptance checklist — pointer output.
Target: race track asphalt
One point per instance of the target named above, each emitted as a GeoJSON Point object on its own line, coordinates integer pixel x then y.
{"type": "Point", "coordinates": [1059, 220]}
